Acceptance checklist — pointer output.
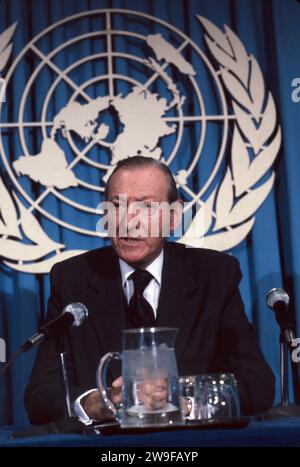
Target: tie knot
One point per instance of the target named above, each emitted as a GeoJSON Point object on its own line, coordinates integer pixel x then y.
{"type": "Point", "coordinates": [141, 278]}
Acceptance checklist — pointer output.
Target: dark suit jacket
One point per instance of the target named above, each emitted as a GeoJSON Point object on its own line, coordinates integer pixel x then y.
{"type": "Point", "coordinates": [199, 296]}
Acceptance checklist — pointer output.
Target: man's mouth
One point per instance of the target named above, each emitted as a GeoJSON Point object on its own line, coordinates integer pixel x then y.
{"type": "Point", "coordinates": [131, 239]}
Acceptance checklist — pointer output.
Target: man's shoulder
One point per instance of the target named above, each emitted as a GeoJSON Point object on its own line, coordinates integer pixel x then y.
{"type": "Point", "coordinates": [198, 258]}
{"type": "Point", "coordinates": [199, 253]}
{"type": "Point", "coordinates": [204, 265]}
{"type": "Point", "coordinates": [92, 259]}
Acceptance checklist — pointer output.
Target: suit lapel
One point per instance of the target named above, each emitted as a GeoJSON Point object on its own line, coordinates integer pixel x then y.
{"type": "Point", "coordinates": [108, 317]}
{"type": "Point", "coordinates": [177, 303]}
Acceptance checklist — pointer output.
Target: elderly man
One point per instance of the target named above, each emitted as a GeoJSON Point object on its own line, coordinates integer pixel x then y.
{"type": "Point", "coordinates": [194, 290]}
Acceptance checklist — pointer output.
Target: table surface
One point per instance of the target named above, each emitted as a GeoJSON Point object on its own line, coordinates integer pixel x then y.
{"type": "Point", "coordinates": [283, 432]}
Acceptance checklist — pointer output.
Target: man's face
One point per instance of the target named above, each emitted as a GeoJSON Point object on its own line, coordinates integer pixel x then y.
{"type": "Point", "coordinates": [141, 186]}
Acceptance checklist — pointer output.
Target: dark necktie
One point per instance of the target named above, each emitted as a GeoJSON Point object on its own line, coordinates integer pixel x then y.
{"type": "Point", "coordinates": [140, 311]}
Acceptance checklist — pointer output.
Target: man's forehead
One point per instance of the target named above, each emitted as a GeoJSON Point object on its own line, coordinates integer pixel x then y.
{"type": "Point", "coordinates": [128, 197]}
{"type": "Point", "coordinates": [138, 179]}
{"type": "Point", "coordinates": [145, 171]}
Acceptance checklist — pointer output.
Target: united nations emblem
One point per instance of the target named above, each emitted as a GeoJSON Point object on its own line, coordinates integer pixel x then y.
{"type": "Point", "coordinates": [128, 83]}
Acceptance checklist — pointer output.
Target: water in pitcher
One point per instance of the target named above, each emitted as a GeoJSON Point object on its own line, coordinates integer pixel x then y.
{"type": "Point", "coordinates": [150, 388]}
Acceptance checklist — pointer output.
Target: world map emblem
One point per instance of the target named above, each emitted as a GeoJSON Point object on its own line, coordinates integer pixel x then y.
{"type": "Point", "coordinates": [127, 83]}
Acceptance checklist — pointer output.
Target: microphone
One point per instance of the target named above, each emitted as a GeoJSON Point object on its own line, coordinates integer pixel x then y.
{"type": "Point", "coordinates": [73, 314]}
{"type": "Point", "coordinates": [278, 300]}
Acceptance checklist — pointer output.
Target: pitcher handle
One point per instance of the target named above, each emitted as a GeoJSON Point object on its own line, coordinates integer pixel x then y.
{"type": "Point", "coordinates": [101, 379]}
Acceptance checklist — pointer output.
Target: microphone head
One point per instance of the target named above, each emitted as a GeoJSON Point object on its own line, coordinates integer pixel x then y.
{"type": "Point", "coordinates": [277, 295]}
{"type": "Point", "coordinates": [79, 312]}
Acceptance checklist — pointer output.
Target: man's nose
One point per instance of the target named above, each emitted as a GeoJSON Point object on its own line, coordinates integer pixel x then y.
{"type": "Point", "coordinates": [131, 214]}
{"type": "Point", "coordinates": [126, 220]}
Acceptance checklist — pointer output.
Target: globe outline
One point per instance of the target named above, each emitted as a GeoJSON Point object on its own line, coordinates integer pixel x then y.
{"type": "Point", "coordinates": [23, 53]}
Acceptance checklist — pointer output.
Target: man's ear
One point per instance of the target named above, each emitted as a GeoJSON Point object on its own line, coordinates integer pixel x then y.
{"type": "Point", "coordinates": [175, 214]}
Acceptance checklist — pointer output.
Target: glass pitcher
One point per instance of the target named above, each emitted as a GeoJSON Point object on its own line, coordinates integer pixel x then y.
{"type": "Point", "coordinates": [150, 382]}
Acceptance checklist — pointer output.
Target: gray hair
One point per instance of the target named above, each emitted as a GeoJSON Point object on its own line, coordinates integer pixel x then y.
{"type": "Point", "coordinates": [137, 162]}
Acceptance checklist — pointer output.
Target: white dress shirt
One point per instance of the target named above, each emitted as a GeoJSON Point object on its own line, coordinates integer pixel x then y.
{"type": "Point", "coordinates": [151, 294]}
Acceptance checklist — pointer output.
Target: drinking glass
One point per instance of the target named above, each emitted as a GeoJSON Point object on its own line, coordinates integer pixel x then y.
{"type": "Point", "coordinates": [216, 397]}
{"type": "Point", "coordinates": [187, 385]}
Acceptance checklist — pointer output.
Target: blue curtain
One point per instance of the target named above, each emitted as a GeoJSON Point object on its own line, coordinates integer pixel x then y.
{"type": "Point", "coordinates": [269, 256]}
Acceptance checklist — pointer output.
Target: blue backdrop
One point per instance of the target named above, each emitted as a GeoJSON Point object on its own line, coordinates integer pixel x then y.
{"type": "Point", "coordinates": [269, 256]}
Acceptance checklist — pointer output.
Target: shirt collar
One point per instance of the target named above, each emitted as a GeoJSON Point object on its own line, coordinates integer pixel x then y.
{"type": "Point", "coordinates": [155, 268]}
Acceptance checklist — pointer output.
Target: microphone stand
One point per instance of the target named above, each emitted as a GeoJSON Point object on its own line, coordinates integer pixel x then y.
{"type": "Point", "coordinates": [284, 373]}
{"type": "Point", "coordinates": [285, 408]}
{"type": "Point", "coordinates": [63, 373]}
